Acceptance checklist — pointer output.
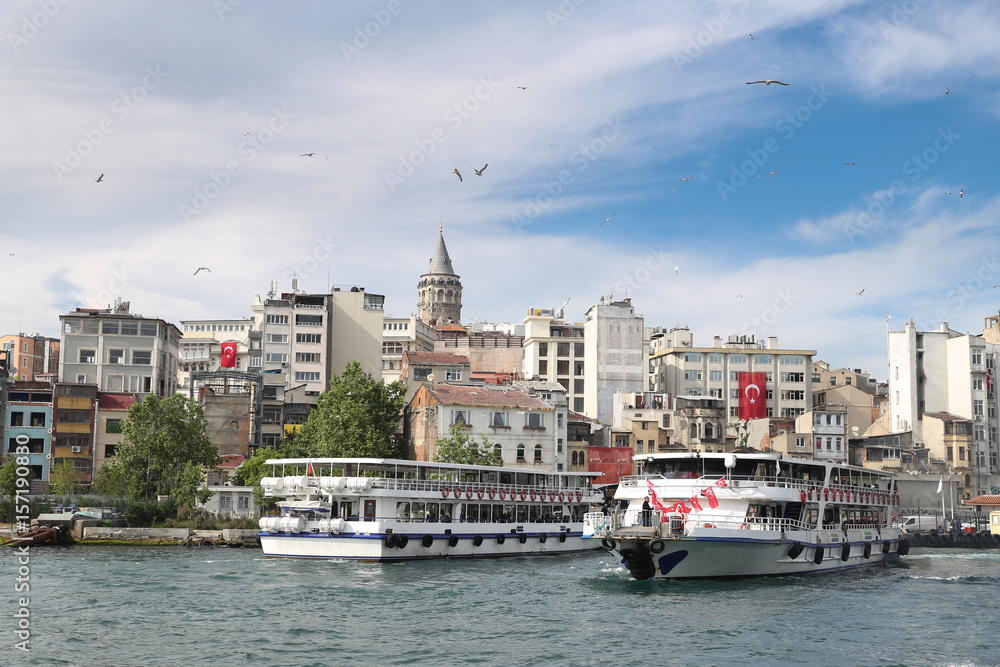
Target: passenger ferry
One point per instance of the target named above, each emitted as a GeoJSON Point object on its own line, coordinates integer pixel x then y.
{"type": "Point", "coordinates": [749, 514]}
{"type": "Point", "coordinates": [391, 510]}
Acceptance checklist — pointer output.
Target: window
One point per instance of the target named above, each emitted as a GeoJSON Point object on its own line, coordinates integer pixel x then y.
{"type": "Point", "coordinates": [243, 502]}
{"type": "Point", "coordinates": [113, 426]}
{"type": "Point", "coordinates": [734, 393]}
{"type": "Point", "coordinates": [793, 359]}
{"type": "Point", "coordinates": [562, 349]}
{"type": "Point", "coordinates": [116, 356]}
{"type": "Point", "coordinates": [640, 447]}
{"type": "Point", "coordinates": [715, 358]}
{"type": "Point", "coordinates": [977, 357]}
{"type": "Point", "coordinates": [318, 338]}
{"type": "Point", "coordinates": [666, 421]}
{"type": "Point", "coordinates": [800, 442]}
{"type": "Point", "coordinates": [17, 419]}
{"type": "Point", "coordinates": [534, 420]}
{"type": "Point", "coordinates": [793, 377]}
{"type": "Point", "coordinates": [276, 319]}
{"type": "Point", "coordinates": [692, 375]}
{"type": "Point", "coordinates": [38, 419]}
{"type": "Point", "coordinates": [308, 357]}
{"type": "Point", "coordinates": [716, 392]}
{"type": "Point", "coordinates": [977, 408]}
{"type": "Point", "coordinates": [276, 338]}
{"type": "Point", "coordinates": [309, 320]}
{"type": "Point", "coordinates": [88, 357]}
{"type": "Point", "coordinates": [460, 417]}
{"type": "Point", "coordinates": [421, 373]}
{"type": "Point", "coordinates": [762, 359]}
{"type": "Point", "coordinates": [543, 367]}
{"type": "Point", "coordinates": [109, 327]}
{"type": "Point", "coordinates": [977, 383]}
{"type": "Point", "coordinates": [130, 328]}
{"type": "Point", "coordinates": [500, 419]}
{"type": "Point", "coordinates": [577, 368]}
{"type": "Point", "coordinates": [306, 376]}
{"type": "Point", "coordinates": [577, 386]}
{"type": "Point", "coordinates": [715, 376]}
{"type": "Point", "coordinates": [734, 376]}
{"type": "Point", "coordinates": [737, 358]}
{"type": "Point", "coordinates": [538, 453]}
{"type": "Point", "coordinates": [390, 348]}
{"type": "Point", "coordinates": [225, 502]}
{"type": "Point", "coordinates": [793, 395]}
{"type": "Point", "coordinates": [543, 349]}
{"type": "Point", "coordinates": [577, 349]}
{"type": "Point", "coordinates": [453, 375]}
{"type": "Point", "coordinates": [692, 356]}
{"type": "Point", "coordinates": [520, 453]}
{"type": "Point", "coordinates": [147, 328]}
{"type": "Point", "coordinates": [275, 357]}
{"type": "Point", "coordinates": [142, 357]}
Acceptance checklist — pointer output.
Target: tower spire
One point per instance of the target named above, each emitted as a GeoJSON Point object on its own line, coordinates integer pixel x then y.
{"type": "Point", "coordinates": [441, 227]}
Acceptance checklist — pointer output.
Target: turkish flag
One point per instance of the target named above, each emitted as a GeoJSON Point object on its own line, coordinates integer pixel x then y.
{"type": "Point", "coordinates": [229, 354]}
{"type": "Point", "coordinates": [753, 396]}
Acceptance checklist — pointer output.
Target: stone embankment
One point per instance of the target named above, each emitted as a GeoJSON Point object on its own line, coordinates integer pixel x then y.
{"type": "Point", "coordinates": [161, 536]}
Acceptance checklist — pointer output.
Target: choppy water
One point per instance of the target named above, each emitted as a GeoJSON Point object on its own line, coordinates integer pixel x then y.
{"type": "Point", "coordinates": [179, 606]}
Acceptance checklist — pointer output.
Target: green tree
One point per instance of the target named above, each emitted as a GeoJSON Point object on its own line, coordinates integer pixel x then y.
{"type": "Point", "coordinates": [460, 447]}
{"type": "Point", "coordinates": [164, 451]}
{"type": "Point", "coordinates": [62, 478]}
{"type": "Point", "coordinates": [255, 468]}
{"type": "Point", "coordinates": [8, 475]}
{"type": "Point", "coordinates": [356, 416]}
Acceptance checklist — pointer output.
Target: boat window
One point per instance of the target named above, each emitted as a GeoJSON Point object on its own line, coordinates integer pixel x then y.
{"type": "Point", "coordinates": [497, 513]}
{"type": "Point", "coordinates": [347, 510]}
{"type": "Point", "coordinates": [417, 511]}
{"type": "Point", "coordinates": [533, 513]}
{"type": "Point", "coordinates": [403, 511]}
{"type": "Point", "coordinates": [446, 512]}
{"type": "Point", "coordinates": [508, 513]}
{"type": "Point", "coordinates": [557, 513]}
{"type": "Point", "coordinates": [470, 513]}
{"type": "Point", "coordinates": [811, 516]}
{"type": "Point", "coordinates": [369, 510]}
{"type": "Point", "coordinates": [522, 513]}
{"type": "Point", "coordinates": [432, 512]}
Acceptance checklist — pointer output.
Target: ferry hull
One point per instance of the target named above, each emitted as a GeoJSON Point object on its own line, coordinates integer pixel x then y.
{"type": "Point", "coordinates": [380, 548]}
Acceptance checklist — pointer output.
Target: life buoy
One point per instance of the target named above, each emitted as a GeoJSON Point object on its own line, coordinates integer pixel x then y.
{"type": "Point", "coordinates": [841, 496]}
{"type": "Point", "coordinates": [578, 496]}
{"type": "Point", "coordinates": [458, 492]}
{"type": "Point", "coordinates": [552, 496]}
{"type": "Point", "coordinates": [480, 493]}
{"type": "Point", "coordinates": [469, 492]}
{"type": "Point", "coordinates": [534, 494]}
{"type": "Point", "coordinates": [503, 494]}
{"type": "Point", "coordinates": [810, 493]}
{"type": "Point", "coordinates": [826, 494]}
{"type": "Point", "coordinates": [892, 518]}
{"type": "Point", "coordinates": [803, 496]}
{"type": "Point", "coordinates": [445, 491]}
{"type": "Point", "coordinates": [493, 493]}
{"type": "Point", "coordinates": [524, 494]}
{"type": "Point", "coordinates": [742, 526]}
{"type": "Point", "coordinates": [562, 496]}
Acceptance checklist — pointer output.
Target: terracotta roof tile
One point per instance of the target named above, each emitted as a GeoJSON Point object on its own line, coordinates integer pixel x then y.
{"type": "Point", "coordinates": [486, 396]}
{"type": "Point", "coordinates": [115, 401]}
{"type": "Point", "coordinates": [434, 358]}
{"type": "Point", "coordinates": [983, 500]}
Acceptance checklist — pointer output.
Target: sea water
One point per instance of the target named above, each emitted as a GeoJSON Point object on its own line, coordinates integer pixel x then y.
{"type": "Point", "coordinates": [125, 605]}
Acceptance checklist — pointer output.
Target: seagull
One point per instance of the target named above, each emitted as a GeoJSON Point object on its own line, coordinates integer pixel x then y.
{"type": "Point", "coordinates": [946, 90]}
{"type": "Point", "coordinates": [751, 35]}
{"type": "Point", "coordinates": [767, 83]}
{"type": "Point", "coordinates": [479, 172]}
{"type": "Point", "coordinates": [948, 192]}
{"type": "Point", "coordinates": [740, 296]}
{"type": "Point", "coordinates": [772, 174]}
{"type": "Point", "coordinates": [203, 268]}
{"type": "Point", "coordinates": [307, 155]}
{"type": "Point", "coordinates": [99, 178]}
{"type": "Point", "coordinates": [686, 179]}
{"type": "Point", "coordinates": [246, 134]}
{"type": "Point", "coordinates": [961, 193]}
{"type": "Point", "coordinates": [608, 218]}
{"type": "Point", "coordinates": [862, 291]}
{"type": "Point", "coordinates": [677, 268]}
{"type": "Point", "coordinates": [459, 174]}
{"type": "Point", "coordinates": [852, 163]}
{"type": "Point", "coordinates": [523, 88]}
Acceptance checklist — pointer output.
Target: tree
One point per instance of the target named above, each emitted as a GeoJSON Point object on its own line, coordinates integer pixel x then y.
{"type": "Point", "coordinates": [356, 416]}
{"type": "Point", "coordinates": [742, 428]}
{"type": "Point", "coordinates": [62, 478]}
{"type": "Point", "coordinates": [8, 475]}
{"type": "Point", "coordinates": [255, 468]}
{"type": "Point", "coordinates": [460, 447]}
{"type": "Point", "coordinates": [164, 451]}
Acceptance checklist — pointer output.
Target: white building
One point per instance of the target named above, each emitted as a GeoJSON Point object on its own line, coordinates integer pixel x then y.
{"type": "Point", "coordinates": [200, 347]}
{"type": "Point", "coordinates": [399, 335]}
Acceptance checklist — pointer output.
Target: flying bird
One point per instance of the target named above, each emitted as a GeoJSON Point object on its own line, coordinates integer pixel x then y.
{"type": "Point", "coordinates": [246, 134]}
{"type": "Point", "coordinates": [203, 268]}
{"type": "Point", "coordinates": [740, 296]}
{"type": "Point", "coordinates": [767, 83]}
{"type": "Point", "coordinates": [523, 88]}
{"type": "Point", "coordinates": [751, 35]}
{"type": "Point", "coordinates": [862, 291]}
{"type": "Point", "coordinates": [946, 90]}
{"type": "Point", "coordinates": [608, 218]}
{"type": "Point", "coordinates": [459, 174]}
{"type": "Point", "coordinates": [686, 179]}
{"type": "Point", "coordinates": [99, 178]}
{"type": "Point", "coordinates": [677, 268]}
{"type": "Point", "coordinates": [852, 163]}
{"type": "Point", "coordinates": [772, 174]}
{"type": "Point", "coordinates": [961, 193]}
{"type": "Point", "coordinates": [948, 192]}
{"type": "Point", "coordinates": [479, 172]}
{"type": "Point", "coordinates": [307, 155]}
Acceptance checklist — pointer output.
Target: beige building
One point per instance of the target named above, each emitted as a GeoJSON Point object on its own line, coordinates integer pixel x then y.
{"type": "Point", "coordinates": [399, 335]}
{"type": "Point", "coordinates": [31, 357]}
{"type": "Point", "coordinates": [823, 376]}
{"type": "Point", "coordinates": [420, 368]}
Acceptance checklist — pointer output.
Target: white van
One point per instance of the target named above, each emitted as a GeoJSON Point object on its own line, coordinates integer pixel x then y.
{"type": "Point", "coordinates": [921, 524]}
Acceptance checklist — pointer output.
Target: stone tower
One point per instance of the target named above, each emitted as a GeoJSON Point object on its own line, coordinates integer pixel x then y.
{"type": "Point", "coordinates": [440, 290]}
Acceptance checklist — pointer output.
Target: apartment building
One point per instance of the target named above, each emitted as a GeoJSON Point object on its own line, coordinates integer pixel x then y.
{"type": "Point", "coordinates": [119, 351]}
{"type": "Point", "coordinates": [200, 347]}
{"type": "Point", "coordinates": [31, 355]}
{"type": "Point", "coordinates": [400, 335]}
{"type": "Point", "coordinates": [29, 423]}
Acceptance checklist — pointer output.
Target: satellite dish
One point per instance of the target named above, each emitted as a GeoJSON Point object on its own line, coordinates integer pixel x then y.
{"type": "Point", "coordinates": [430, 378]}
{"type": "Point", "coordinates": [854, 430]}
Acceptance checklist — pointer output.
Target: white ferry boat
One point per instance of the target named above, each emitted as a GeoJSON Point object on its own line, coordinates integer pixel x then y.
{"type": "Point", "coordinates": [389, 510]}
{"type": "Point", "coordinates": [749, 514]}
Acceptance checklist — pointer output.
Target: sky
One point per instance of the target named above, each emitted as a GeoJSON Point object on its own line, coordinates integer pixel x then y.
{"type": "Point", "coordinates": [626, 155]}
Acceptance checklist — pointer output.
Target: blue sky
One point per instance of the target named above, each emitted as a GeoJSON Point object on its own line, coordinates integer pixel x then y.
{"type": "Point", "coordinates": [198, 113]}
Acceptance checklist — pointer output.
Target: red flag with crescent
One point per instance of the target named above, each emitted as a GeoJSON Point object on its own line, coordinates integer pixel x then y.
{"type": "Point", "coordinates": [753, 396]}
{"type": "Point", "coordinates": [709, 493]}
{"type": "Point", "coordinates": [652, 494]}
{"type": "Point", "coordinates": [229, 354]}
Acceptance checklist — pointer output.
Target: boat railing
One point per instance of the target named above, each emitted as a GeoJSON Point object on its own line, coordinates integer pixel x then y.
{"type": "Point", "coordinates": [663, 523]}
{"type": "Point", "coordinates": [813, 488]}
{"type": "Point", "coordinates": [500, 491]}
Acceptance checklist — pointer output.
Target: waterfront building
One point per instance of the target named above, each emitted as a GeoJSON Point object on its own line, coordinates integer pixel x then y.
{"type": "Point", "coordinates": [75, 407]}
{"type": "Point", "coordinates": [119, 351]}
{"type": "Point", "coordinates": [491, 348]}
{"type": "Point", "coordinates": [29, 423]}
{"type": "Point", "coordinates": [112, 409]}
{"type": "Point", "coordinates": [200, 347]}
{"type": "Point", "coordinates": [31, 355]}
{"type": "Point", "coordinates": [646, 419]}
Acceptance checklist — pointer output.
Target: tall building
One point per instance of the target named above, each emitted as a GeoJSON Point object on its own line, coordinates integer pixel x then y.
{"type": "Point", "coordinates": [119, 351]}
{"type": "Point", "coordinates": [681, 369]}
{"type": "Point", "coordinates": [401, 335]}
{"type": "Point", "coordinates": [31, 355]}
{"type": "Point", "coordinates": [554, 350]}
{"type": "Point", "coordinates": [29, 423]}
{"type": "Point", "coordinates": [440, 289]}
{"type": "Point", "coordinates": [201, 346]}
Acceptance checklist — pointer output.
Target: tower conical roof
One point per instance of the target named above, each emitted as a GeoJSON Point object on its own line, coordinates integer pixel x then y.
{"type": "Point", "coordinates": [440, 261]}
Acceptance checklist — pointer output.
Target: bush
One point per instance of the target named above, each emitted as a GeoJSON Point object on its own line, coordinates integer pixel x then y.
{"type": "Point", "coordinates": [144, 513]}
{"type": "Point", "coordinates": [244, 523]}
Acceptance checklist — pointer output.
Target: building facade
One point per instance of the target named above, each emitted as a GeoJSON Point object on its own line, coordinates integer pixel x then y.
{"type": "Point", "coordinates": [200, 346]}
{"type": "Point", "coordinates": [30, 356]}
{"type": "Point", "coordinates": [30, 423]}
{"type": "Point", "coordinates": [400, 335]}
